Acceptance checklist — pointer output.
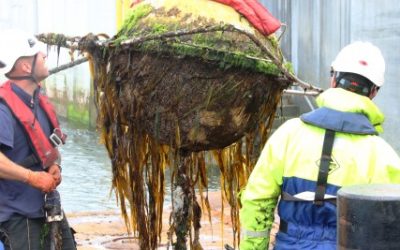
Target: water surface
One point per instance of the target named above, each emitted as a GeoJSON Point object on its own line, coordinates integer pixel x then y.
{"type": "Point", "coordinates": [87, 176]}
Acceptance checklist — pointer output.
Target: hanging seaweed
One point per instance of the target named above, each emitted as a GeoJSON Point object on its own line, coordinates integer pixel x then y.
{"type": "Point", "coordinates": [175, 83]}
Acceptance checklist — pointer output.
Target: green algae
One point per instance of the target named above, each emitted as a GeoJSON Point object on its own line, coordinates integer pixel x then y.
{"type": "Point", "coordinates": [227, 49]}
{"type": "Point", "coordinates": [131, 22]}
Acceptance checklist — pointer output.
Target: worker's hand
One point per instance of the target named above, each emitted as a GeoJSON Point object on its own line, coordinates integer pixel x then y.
{"type": "Point", "coordinates": [55, 171]}
{"type": "Point", "coordinates": [41, 180]}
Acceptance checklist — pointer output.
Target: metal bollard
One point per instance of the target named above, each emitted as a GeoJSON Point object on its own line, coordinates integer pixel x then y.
{"type": "Point", "coordinates": [368, 217]}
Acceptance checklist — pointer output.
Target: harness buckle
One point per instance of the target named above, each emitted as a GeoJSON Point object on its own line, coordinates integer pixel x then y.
{"type": "Point", "coordinates": [55, 138]}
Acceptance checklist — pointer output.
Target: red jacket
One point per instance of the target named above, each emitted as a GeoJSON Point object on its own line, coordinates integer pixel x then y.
{"type": "Point", "coordinates": [43, 148]}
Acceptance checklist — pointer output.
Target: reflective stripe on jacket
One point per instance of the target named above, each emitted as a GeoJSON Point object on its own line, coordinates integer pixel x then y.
{"type": "Point", "coordinates": [290, 162]}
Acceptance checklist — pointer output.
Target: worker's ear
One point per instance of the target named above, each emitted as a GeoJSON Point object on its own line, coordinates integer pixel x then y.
{"type": "Point", "coordinates": [333, 79]}
{"type": "Point", "coordinates": [333, 82]}
{"type": "Point", "coordinates": [374, 92]}
{"type": "Point", "coordinates": [24, 65]}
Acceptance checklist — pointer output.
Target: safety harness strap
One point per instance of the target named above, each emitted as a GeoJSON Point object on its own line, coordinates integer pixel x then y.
{"type": "Point", "coordinates": [326, 159]}
{"type": "Point", "coordinates": [288, 197]}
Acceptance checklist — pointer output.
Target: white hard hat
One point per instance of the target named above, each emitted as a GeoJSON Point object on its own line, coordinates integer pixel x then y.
{"type": "Point", "coordinates": [15, 44]}
{"type": "Point", "coordinates": [362, 58]}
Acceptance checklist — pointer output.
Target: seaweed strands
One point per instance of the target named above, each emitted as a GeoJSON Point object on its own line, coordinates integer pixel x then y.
{"type": "Point", "coordinates": [190, 106]}
{"type": "Point", "coordinates": [155, 106]}
{"type": "Point", "coordinates": [169, 87]}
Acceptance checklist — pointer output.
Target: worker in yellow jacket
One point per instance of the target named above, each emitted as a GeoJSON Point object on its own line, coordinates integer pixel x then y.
{"type": "Point", "coordinates": [309, 158]}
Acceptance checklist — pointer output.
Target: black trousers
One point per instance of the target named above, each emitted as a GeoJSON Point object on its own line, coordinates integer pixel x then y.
{"type": "Point", "coordinates": [21, 233]}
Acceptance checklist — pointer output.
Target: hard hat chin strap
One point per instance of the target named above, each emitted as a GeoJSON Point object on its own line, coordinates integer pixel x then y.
{"type": "Point", "coordinates": [29, 77]}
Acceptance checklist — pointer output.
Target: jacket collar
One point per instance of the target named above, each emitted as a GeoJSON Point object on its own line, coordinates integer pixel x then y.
{"type": "Point", "coordinates": [346, 101]}
{"type": "Point", "coordinates": [25, 97]}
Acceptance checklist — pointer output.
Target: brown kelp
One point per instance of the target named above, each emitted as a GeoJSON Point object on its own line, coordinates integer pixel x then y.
{"type": "Point", "coordinates": [176, 82]}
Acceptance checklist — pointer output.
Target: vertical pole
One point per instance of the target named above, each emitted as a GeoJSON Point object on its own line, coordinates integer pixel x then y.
{"type": "Point", "coordinates": [182, 201]}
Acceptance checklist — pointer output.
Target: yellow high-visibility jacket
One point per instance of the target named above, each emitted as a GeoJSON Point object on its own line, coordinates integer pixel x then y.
{"type": "Point", "coordinates": [290, 162]}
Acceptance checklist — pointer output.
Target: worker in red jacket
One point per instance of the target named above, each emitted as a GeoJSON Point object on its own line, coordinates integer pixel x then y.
{"type": "Point", "coordinates": [29, 136]}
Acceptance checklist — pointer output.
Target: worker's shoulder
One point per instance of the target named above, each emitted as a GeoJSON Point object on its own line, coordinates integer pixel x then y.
{"type": "Point", "coordinates": [4, 109]}
{"type": "Point", "coordinates": [289, 127]}
{"type": "Point", "coordinates": [291, 124]}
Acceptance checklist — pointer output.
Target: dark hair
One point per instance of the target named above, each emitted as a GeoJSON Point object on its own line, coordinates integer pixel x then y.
{"type": "Point", "coordinates": [2, 65]}
{"type": "Point", "coordinates": [354, 82]}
